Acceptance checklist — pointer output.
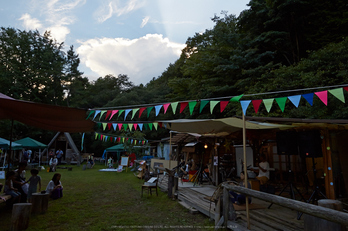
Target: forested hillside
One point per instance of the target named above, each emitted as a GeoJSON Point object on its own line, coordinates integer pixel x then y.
{"type": "Point", "coordinates": [273, 46]}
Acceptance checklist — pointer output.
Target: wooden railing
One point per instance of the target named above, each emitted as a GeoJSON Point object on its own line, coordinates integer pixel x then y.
{"type": "Point", "coordinates": [310, 209]}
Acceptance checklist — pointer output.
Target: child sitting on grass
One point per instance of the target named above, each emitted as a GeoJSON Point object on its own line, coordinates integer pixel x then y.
{"type": "Point", "coordinates": [34, 180]}
{"type": "Point", "coordinates": [9, 189]}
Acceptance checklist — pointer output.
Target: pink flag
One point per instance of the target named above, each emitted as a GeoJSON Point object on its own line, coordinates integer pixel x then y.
{"type": "Point", "coordinates": [113, 113]}
{"type": "Point", "coordinates": [322, 96]}
{"type": "Point", "coordinates": [165, 106]}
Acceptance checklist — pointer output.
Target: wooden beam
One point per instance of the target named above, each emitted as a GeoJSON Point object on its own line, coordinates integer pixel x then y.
{"type": "Point", "coordinates": [314, 210]}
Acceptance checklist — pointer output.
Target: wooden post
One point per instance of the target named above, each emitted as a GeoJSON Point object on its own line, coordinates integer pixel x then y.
{"type": "Point", "coordinates": [218, 210]}
{"type": "Point", "coordinates": [329, 181]}
{"type": "Point", "coordinates": [20, 216]}
{"type": "Point", "coordinates": [39, 202]}
{"type": "Point", "coordinates": [245, 172]}
{"type": "Point", "coordinates": [226, 202]}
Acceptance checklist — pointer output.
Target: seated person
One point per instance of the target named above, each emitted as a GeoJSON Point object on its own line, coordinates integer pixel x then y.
{"type": "Point", "coordinates": [10, 189]}
{"type": "Point", "coordinates": [263, 170]}
{"type": "Point", "coordinates": [238, 198]}
{"type": "Point", "coordinates": [55, 187]}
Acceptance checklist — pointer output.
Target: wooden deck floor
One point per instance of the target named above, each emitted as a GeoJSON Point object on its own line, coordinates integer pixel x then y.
{"type": "Point", "coordinates": [261, 218]}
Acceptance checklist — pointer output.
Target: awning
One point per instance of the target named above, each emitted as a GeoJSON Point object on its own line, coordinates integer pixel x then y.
{"type": "Point", "coordinates": [5, 144]}
{"type": "Point", "coordinates": [31, 143]}
{"type": "Point", "coordinates": [218, 127]}
{"type": "Point", "coordinates": [49, 117]}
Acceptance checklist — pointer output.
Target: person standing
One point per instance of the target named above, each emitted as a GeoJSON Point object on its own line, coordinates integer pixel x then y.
{"type": "Point", "coordinates": [34, 180]}
{"type": "Point", "coordinates": [59, 154]}
{"type": "Point", "coordinates": [19, 181]}
{"type": "Point", "coordinates": [53, 163]}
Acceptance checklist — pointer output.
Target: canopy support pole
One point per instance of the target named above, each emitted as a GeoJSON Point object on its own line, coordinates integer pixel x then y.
{"type": "Point", "coordinates": [245, 171]}
{"type": "Point", "coordinates": [10, 148]}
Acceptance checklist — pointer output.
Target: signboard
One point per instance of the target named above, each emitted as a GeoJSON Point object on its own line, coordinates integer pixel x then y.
{"type": "Point", "coordinates": [124, 161]}
{"type": "Point", "coordinates": [2, 174]}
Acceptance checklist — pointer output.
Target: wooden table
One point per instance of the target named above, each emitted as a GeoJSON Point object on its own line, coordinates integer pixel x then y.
{"type": "Point", "coordinates": [39, 202]}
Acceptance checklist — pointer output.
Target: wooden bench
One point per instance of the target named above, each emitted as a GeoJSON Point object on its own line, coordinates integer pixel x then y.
{"type": "Point", "coordinates": [6, 197]}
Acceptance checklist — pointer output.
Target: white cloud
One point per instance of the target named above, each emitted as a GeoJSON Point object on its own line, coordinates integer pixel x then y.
{"type": "Point", "coordinates": [144, 21]}
{"type": "Point", "coordinates": [30, 23]}
{"type": "Point", "coordinates": [59, 32]}
{"type": "Point", "coordinates": [141, 59]}
{"type": "Point", "coordinates": [117, 7]}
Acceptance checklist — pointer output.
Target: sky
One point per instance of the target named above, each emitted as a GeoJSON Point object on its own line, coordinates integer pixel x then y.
{"type": "Point", "coordinates": [138, 38]}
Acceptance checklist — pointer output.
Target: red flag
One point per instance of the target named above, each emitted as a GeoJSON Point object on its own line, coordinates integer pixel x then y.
{"type": "Point", "coordinates": [183, 105]}
{"type": "Point", "coordinates": [109, 125]}
{"type": "Point", "coordinates": [256, 104]}
{"type": "Point", "coordinates": [141, 111]}
{"type": "Point", "coordinates": [223, 105]}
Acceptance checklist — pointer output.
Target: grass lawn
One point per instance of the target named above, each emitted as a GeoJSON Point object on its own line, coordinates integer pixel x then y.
{"type": "Point", "coordinates": [95, 200]}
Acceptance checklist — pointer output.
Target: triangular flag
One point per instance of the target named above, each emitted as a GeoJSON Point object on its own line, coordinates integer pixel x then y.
{"type": "Point", "coordinates": [256, 104]}
{"type": "Point", "coordinates": [338, 93]}
{"type": "Point", "coordinates": [245, 105]}
{"type": "Point", "coordinates": [90, 113]}
{"type": "Point", "coordinates": [148, 111]}
{"type": "Point", "coordinates": [192, 105]}
{"type": "Point", "coordinates": [295, 99]}
{"type": "Point", "coordinates": [107, 114]}
{"type": "Point", "coordinates": [158, 108]}
{"type": "Point", "coordinates": [101, 114]}
{"type": "Point", "coordinates": [96, 136]}
{"type": "Point", "coordinates": [160, 124]}
{"type": "Point", "coordinates": [120, 112]}
{"type": "Point", "coordinates": [322, 96]}
{"type": "Point", "coordinates": [130, 127]}
{"type": "Point", "coordinates": [223, 105]}
{"type": "Point", "coordinates": [345, 88]}
{"type": "Point", "coordinates": [134, 111]}
{"type": "Point", "coordinates": [150, 126]}
{"type": "Point", "coordinates": [135, 126]}
{"type": "Point", "coordinates": [236, 98]}
{"type": "Point", "coordinates": [104, 125]}
{"type": "Point", "coordinates": [281, 102]}
{"type": "Point", "coordinates": [113, 113]}
{"type": "Point", "coordinates": [126, 113]}
{"type": "Point", "coordinates": [182, 106]}
{"type": "Point", "coordinates": [135, 142]}
{"type": "Point", "coordinates": [141, 111]}
{"type": "Point", "coordinates": [109, 125]}
{"type": "Point", "coordinates": [98, 125]}
{"type": "Point", "coordinates": [140, 127]}
{"type": "Point", "coordinates": [155, 125]}
{"type": "Point", "coordinates": [309, 98]}
{"type": "Point", "coordinates": [174, 106]}
{"type": "Point", "coordinates": [119, 127]}
{"type": "Point", "coordinates": [122, 139]}
{"type": "Point", "coordinates": [203, 103]}
{"type": "Point", "coordinates": [165, 107]}
{"type": "Point", "coordinates": [125, 126]}
{"type": "Point", "coordinates": [96, 113]}
{"type": "Point", "coordinates": [212, 105]}
{"type": "Point", "coordinates": [268, 104]}
{"type": "Point", "coordinates": [114, 126]}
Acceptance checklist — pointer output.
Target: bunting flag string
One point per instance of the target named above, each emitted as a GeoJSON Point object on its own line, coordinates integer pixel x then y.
{"type": "Point", "coordinates": [119, 139]}
{"type": "Point", "coordinates": [130, 126]}
{"type": "Point", "coordinates": [268, 103]}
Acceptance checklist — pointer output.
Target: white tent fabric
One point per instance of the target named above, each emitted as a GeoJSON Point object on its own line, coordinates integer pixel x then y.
{"type": "Point", "coordinates": [218, 127]}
